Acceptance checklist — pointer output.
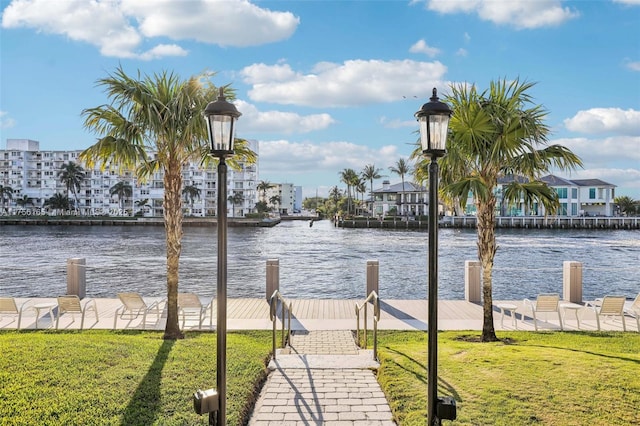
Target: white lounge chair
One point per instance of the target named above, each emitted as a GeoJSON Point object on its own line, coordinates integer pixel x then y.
{"type": "Point", "coordinates": [609, 306]}
{"type": "Point", "coordinates": [189, 305]}
{"type": "Point", "coordinates": [545, 303]}
{"type": "Point", "coordinates": [133, 306]}
{"type": "Point", "coordinates": [72, 305]}
{"type": "Point", "coordinates": [9, 306]}
{"type": "Point", "coordinates": [633, 309]}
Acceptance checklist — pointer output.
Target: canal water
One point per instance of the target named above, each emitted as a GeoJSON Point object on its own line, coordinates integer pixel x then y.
{"type": "Point", "coordinates": [318, 261]}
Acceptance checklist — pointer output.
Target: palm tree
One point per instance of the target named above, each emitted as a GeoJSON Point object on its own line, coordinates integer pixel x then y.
{"type": "Point", "coordinates": [263, 186]}
{"type": "Point", "coordinates": [72, 175]}
{"type": "Point", "coordinates": [236, 198]}
{"type": "Point", "coordinates": [59, 202]}
{"type": "Point", "coordinates": [24, 201]}
{"type": "Point", "coordinates": [370, 173]}
{"type": "Point", "coordinates": [361, 188]}
{"type": "Point", "coordinates": [155, 123]}
{"type": "Point", "coordinates": [497, 133]}
{"type": "Point", "coordinates": [122, 190]}
{"type": "Point", "coordinates": [627, 205]}
{"type": "Point", "coordinates": [6, 193]}
{"type": "Point", "coordinates": [401, 168]}
{"type": "Point", "coordinates": [191, 193]}
{"type": "Point", "coordinates": [275, 201]}
{"type": "Point", "coordinates": [142, 204]}
{"type": "Point", "coordinates": [350, 178]}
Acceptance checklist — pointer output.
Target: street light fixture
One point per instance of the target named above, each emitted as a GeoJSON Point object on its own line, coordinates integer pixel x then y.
{"type": "Point", "coordinates": [220, 117]}
{"type": "Point", "coordinates": [434, 123]}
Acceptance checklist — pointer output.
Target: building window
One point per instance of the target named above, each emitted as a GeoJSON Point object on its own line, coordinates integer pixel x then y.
{"type": "Point", "coordinates": [574, 193]}
{"type": "Point", "coordinates": [592, 193]}
{"type": "Point", "coordinates": [574, 209]}
{"type": "Point", "coordinates": [562, 192]}
{"type": "Point", "coordinates": [563, 209]}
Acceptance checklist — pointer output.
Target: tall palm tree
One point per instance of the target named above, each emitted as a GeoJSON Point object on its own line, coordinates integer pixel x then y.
{"type": "Point", "coordinates": [361, 188]}
{"type": "Point", "coordinates": [236, 198]}
{"type": "Point", "coordinates": [6, 194]}
{"type": "Point", "coordinates": [122, 190]}
{"type": "Point", "coordinates": [401, 168]}
{"type": "Point", "coordinates": [58, 202]}
{"type": "Point", "coordinates": [263, 186]}
{"type": "Point", "coordinates": [370, 173]}
{"type": "Point", "coordinates": [191, 194]}
{"type": "Point", "coordinates": [155, 123]}
{"type": "Point", "coordinates": [71, 175]}
{"type": "Point", "coordinates": [496, 133]}
{"type": "Point", "coordinates": [350, 178]}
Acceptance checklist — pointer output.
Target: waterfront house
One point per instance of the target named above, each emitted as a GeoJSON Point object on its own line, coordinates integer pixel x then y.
{"type": "Point", "coordinates": [412, 200]}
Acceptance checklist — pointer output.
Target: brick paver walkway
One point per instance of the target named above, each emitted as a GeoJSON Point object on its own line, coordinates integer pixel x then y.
{"type": "Point", "coordinates": [324, 380]}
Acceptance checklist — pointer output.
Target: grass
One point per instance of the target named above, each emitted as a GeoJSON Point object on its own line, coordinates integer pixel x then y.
{"type": "Point", "coordinates": [529, 379]}
{"type": "Point", "coordinates": [123, 377]}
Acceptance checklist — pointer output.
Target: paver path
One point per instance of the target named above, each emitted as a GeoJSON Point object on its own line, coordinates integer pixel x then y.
{"type": "Point", "coordinates": [324, 379]}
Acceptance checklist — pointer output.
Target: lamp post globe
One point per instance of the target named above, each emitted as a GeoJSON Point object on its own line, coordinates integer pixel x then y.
{"type": "Point", "coordinates": [434, 123]}
{"type": "Point", "coordinates": [220, 118]}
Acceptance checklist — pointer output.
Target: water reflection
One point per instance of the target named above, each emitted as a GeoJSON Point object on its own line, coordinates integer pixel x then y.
{"type": "Point", "coordinates": [319, 261]}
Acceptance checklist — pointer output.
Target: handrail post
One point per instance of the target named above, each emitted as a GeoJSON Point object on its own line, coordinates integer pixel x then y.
{"type": "Point", "coordinates": [366, 335]}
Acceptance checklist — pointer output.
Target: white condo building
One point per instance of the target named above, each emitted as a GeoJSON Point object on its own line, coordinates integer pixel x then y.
{"type": "Point", "coordinates": [33, 174]}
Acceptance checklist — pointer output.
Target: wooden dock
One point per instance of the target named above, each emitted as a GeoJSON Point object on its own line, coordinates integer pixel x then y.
{"type": "Point", "coordinates": [323, 314]}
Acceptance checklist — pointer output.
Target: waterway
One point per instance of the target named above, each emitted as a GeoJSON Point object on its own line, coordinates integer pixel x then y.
{"type": "Point", "coordinates": [319, 261]}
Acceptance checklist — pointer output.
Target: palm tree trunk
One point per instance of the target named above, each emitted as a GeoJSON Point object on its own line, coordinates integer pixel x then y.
{"type": "Point", "coordinates": [486, 252]}
{"type": "Point", "coordinates": [172, 209]}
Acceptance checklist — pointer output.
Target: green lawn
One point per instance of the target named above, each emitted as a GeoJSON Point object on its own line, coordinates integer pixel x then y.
{"type": "Point", "coordinates": [123, 378]}
{"type": "Point", "coordinates": [532, 379]}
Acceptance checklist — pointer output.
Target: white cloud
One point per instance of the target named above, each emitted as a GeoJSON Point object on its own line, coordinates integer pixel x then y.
{"type": "Point", "coordinates": [298, 158]}
{"type": "Point", "coordinates": [522, 14]}
{"type": "Point", "coordinates": [598, 153]}
{"type": "Point", "coordinates": [633, 66]}
{"type": "Point", "coordinates": [227, 23]}
{"type": "Point", "coordinates": [605, 120]}
{"type": "Point", "coordinates": [117, 27]}
{"type": "Point", "coordinates": [421, 46]}
{"type": "Point", "coordinates": [280, 121]}
{"type": "Point", "coordinates": [163, 50]}
{"type": "Point", "coordinates": [628, 2]}
{"type": "Point", "coordinates": [6, 122]}
{"type": "Point", "coordinates": [462, 52]}
{"type": "Point", "coordinates": [354, 82]}
{"type": "Point", "coordinates": [396, 123]}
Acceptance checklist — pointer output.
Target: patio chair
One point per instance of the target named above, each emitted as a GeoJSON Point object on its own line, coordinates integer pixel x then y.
{"type": "Point", "coordinates": [545, 303]}
{"type": "Point", "coordinates": [633, 309]}
{"type": "Point", "coordinates": [9, 306]}
{"type": "Point", "coordinates": [71, 304]}
{"type": "Point", "coordinates": [609, 307]}
{"type": "Point", "coordinates": [133, 306]}
{"type": "Point", "coordinates": [189, 304]}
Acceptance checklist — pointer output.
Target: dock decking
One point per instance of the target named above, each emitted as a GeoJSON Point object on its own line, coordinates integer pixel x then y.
{"type": "Point", "coordinates": [323, 314]}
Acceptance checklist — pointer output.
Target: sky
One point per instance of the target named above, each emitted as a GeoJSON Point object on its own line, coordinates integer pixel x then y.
{"type": "Point", "coordinates": [329, 85]}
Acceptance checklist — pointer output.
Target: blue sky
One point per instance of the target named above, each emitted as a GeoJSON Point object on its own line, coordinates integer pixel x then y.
{"type": "Point", "coordinates": [329, 85]}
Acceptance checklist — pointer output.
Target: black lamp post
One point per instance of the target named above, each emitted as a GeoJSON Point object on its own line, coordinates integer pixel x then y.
{"type": "Point", "coordinates": [434, 122]}
{"type": "Point", "coordinates": [221, 117]}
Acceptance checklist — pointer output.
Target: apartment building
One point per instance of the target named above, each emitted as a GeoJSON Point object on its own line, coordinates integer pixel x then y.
{"type": "Point", "coordinates": [286, 194]}
{"type": "Point", "coordinates": [33, 174]}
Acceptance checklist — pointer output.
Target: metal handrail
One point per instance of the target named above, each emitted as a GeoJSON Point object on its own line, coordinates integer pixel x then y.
{"type": "Point", "coordinates": [273, 316]}
{"type": "Point", "coordinates": [375, 300]}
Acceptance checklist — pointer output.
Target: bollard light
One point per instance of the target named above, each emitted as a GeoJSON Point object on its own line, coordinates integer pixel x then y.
{"type": "Point", "coordinates": [434, 124]}
{"type": "Point", "coordinates": [220, 117]}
